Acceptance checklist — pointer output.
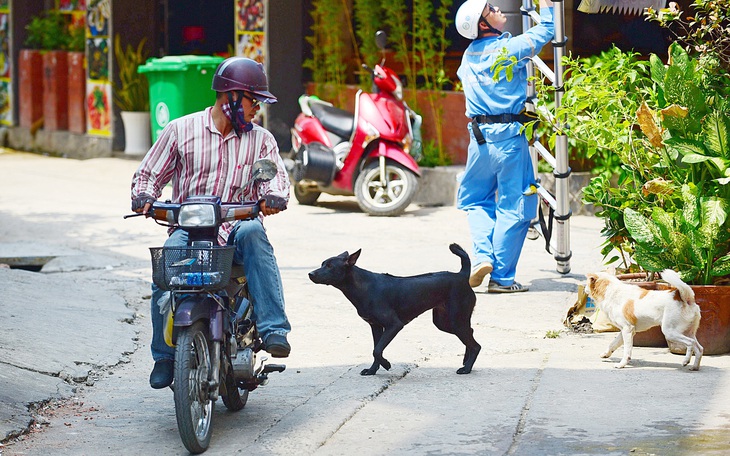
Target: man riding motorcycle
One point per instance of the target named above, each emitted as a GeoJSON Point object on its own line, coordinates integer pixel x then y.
{"type": "Point", "coordinates": [211, 152]}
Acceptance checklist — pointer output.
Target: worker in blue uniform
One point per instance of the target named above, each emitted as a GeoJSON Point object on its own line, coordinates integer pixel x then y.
{"type": "Point", "coordinates": [497, 188]}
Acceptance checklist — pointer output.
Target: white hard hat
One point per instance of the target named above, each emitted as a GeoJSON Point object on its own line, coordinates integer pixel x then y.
{"type": "Point", "coordinates": [467, 18]}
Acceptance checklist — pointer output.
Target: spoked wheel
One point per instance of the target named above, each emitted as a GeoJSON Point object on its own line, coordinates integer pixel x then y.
{"type": "Point", "coordinates": [193, 407]}
{"type": "Point", "coordinates": [388, 194]}
{"type": "Point", "coordinates": [233, 398]}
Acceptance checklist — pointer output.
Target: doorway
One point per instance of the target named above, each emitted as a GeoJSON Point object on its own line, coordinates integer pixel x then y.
{"type": "Point", "coordinates": [200, 27]}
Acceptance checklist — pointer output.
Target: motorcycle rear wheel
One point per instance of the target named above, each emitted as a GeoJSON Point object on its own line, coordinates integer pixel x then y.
{"type": "Point", "coordinates": [389, 198]}
{"type": "Point", "coordinates": [193, 406]}
{"type": "Point", "coordinates": [234, 398]}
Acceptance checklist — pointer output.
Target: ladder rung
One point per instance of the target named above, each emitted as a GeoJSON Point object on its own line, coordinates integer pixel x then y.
{"type": "Point", "coordinates": [545, 194]}
{"type": "Point", "coordinates": [544, 153]}
{"type": "Point", "coordinates": [544, 69]}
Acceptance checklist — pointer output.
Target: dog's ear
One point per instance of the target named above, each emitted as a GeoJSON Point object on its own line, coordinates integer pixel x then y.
{"type": "Point", "coordinates": [353, 258]}
{"type": "Point", "coordinates": [591, 279]}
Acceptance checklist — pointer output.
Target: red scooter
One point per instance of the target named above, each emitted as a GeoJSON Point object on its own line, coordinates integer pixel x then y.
{"type": "Point", "coordinates": [371, 153]}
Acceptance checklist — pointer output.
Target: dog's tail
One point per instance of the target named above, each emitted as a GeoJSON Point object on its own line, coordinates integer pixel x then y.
{"type": "Point", "coordinates": [465, 261]}
{"type": "Point", "coordinates": [673, 279]}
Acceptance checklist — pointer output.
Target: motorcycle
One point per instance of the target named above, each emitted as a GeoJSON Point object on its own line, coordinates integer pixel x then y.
{"type": "Point", "coordinates": [210, 323]}
{"type": "Point", "coordinates": [371, 153]}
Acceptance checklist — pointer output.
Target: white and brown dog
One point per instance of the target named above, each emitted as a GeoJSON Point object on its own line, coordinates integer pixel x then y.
{"type": "Point", "coordinates": [633, 309]}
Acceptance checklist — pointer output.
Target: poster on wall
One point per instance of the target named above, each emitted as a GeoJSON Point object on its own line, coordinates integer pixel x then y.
{"type": "Point", "coordinates": [250, 37]}
{"type": "Point", "coordinates": [6, 94]}
{"type": "Point", "coordinates": [71, 5]}
{"type": "Point", "coordinates": [250, 33]}
{"type": "Point", "coordinates": [98, 83]}
{"type": "Point", "coordinates": [98, 108]}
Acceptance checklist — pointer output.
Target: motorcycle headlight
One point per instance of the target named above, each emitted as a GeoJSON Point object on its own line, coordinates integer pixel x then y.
{"type": "Point", "coordinates": [197, 215]}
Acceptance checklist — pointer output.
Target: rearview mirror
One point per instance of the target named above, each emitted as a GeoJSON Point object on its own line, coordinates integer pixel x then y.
{"type": "Point", "coordinates": [264, 170]}
{"type": "Point", "coordinates": [381, 39]}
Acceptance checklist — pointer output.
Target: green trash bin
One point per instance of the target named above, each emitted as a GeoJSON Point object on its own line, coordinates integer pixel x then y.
{"type": "Point", "coordinates": [179, 85]}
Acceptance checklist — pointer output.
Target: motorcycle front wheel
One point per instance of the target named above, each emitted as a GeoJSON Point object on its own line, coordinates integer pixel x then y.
{"type": "Point", "coordinates": [387, 195]}
{"type": "Point", "coordinates": [193, 407]}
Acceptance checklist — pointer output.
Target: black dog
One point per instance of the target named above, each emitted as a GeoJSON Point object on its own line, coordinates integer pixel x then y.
{"type": "Point", "coordinates": [388, 303]}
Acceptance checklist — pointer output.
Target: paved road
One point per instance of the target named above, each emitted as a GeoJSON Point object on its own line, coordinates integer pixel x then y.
{"type": "Point", "coordinates": [79, 331]}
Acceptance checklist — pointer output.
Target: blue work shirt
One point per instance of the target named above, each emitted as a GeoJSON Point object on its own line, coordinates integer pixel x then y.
{"type": "Point", "coordinates": [483, 94]}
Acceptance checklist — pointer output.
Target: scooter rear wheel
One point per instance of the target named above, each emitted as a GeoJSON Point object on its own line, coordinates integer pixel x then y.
{"type": "Point", "coordinates": [193, 406]}
{"type": "Point", "coordinates": [385, 197]}
{"type": "Point", "coordinates": [305, 197]}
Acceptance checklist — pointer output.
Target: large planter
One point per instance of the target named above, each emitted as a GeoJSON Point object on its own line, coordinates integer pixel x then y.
{"type": "Point", "coordinates": [137, 132]}
{"type": "Point", "coordinates": [714, 332]}
{"type": "Point", "coordinates": [30, 90]}
{"type": "Point", "coordinates": [76, 93]}
{"type": "Point", "coordinates": [55, 90]}
{"type": "Point", "coordinates": [438, 186]}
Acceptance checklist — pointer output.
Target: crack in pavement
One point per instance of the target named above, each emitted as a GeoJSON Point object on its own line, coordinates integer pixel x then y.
{"type": "Point", "coordinates": [521, 423]}
{"type": "Point", "coordinates": [368, 399]}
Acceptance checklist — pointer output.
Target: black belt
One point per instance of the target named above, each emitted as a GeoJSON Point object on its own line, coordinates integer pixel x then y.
{"type": "Point", "coordinates": [503, 118]}
{"type": "Point", "coordinates": [522, 117]}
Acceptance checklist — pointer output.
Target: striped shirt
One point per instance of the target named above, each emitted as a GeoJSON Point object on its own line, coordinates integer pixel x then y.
{"type": "Point", "coordinates": [195, 157]}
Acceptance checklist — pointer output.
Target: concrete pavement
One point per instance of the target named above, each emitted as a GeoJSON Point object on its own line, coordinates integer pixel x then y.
{"type": "Point", "coordinates": [80, 329]}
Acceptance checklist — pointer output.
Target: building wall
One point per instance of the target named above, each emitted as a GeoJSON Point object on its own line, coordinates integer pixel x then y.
{"type": "Point", "coordinates": [286, 37]}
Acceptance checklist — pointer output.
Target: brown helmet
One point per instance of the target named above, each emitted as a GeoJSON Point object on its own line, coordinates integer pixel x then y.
{"type": "Point", "coordinates": [240, 73]}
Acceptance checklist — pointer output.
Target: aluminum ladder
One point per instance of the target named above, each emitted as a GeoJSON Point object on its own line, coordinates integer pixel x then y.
{"type": "Point", "coordinates": [558, 240]}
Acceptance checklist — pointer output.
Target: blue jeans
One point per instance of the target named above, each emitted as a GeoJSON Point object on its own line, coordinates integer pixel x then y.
{"type": "Point", "coordinates": [492, 192]}
{"type": "Point", "coordinates": [255, 253]}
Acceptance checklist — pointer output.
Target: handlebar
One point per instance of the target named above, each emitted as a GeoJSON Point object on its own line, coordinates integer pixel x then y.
{"type": "Point", "coordinates": [244, 211]}
{"type": "Point", "coordinates": [167, 212]}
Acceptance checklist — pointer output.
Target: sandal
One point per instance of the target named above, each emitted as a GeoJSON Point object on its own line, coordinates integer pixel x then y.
{"type": "Point", "coordinates": [478, 273]}
{"type": "Point", "coordinates": [516, 287]}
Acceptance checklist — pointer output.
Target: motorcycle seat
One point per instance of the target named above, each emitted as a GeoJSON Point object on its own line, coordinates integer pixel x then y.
{"type": "Point", "coordinates": [335, 120]}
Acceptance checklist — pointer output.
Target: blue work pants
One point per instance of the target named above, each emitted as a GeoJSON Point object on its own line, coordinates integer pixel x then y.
{"type": "Point", "coordinates": [497, 193]}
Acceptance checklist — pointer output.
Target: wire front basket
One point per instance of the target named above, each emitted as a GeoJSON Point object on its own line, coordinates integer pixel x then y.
{"type": "Point", "coordinates": [191, 267]}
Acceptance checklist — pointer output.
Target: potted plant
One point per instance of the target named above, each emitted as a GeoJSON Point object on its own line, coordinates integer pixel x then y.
{"type": "Point", "coordinates": [132, 97]}
{"type": "Point", "coordinates": [48, 32]}
{"type": "Point", "coordinates": [43, 34]}
{"type": "Point", "coordinates": [76, 78]}
{"type": "Point", "coordinates": [669, 205]}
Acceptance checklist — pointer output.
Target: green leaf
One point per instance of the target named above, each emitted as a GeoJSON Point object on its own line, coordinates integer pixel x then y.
{"type": "Point", "coordinates": [714, 214]}
{"type": "Point", "coordinates": [716, 130]}
{"type": "Point", "coordinates": [714, 210]}
{"type": "Point", "coordinates": [649, 260]}
{"type": "Point", "coordinates": [664, 222]}
{"type": "Point", "coordinates": [658, 70]}
{"type": "Point", "coordinates": [690, 209]}
{"type": "Point", "coordinates": [686, 146]}
{"type": "Point", "coordinates": [642, 230]}
{"type": "Point", "coordinates": [721, 266]}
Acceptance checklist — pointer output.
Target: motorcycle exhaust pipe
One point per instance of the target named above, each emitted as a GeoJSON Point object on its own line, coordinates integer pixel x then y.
{"type": "Point", "coordinates": [244, 365]}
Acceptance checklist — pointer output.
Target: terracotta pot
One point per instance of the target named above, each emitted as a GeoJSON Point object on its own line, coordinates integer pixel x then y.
{"type": "Point", "coordinates": [30, 92]}
{"type": "Point", "coordinates": [55, 90]}
{"type": "Point", "coordinates": [76, 93]}
{"type": "Point", "coordinates": [714, 332]}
